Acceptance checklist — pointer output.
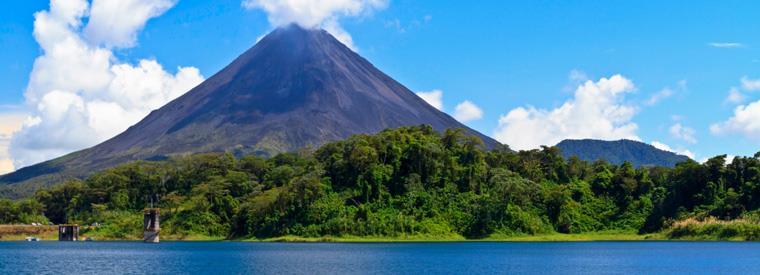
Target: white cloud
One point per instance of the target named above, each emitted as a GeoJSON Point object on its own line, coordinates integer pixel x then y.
{"type": "Point", "coordinates": [10, 122]}
{"type": "Point", "coordinates": [665, 147]}
{"type": "Point", "coordinates": [729, 159]}
{"type": "Point", "coordinates": [339, 33]}
{"type": "Point", "coordinates": [687, 153]}
{"type": "Point", "coordinates": [108, 24]}
{"type": "Point", "coordinates": [312, 13]}
{"type": "Point", "coordinates": [726, 45]}
{"type": "Point", "coordinates": [734, 96]}
{"type": "Point", "coordinates": [681, 132]}
{"type": "Point", "coordinates": [661, 146]}
{"type": "Point", "coordinates": [745, 121]}
{"type": "Point", "coordinates": [467, 111]}
{"type": "Point", "coordinates": [434, 98]}
{"type": "Point", "coordinates": [79, 94]}
{"type": "Point", "coordinates": [596, 111]}
{"type": "Point", "coordinates": [316, 13]}
{"type": "Point", "coordinates": [750, 84]}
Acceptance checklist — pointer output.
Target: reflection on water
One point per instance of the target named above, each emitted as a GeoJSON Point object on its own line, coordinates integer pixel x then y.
{"type": "Point", "coordinates": [384, 258]}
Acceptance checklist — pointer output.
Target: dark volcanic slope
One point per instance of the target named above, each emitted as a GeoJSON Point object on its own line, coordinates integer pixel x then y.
{"type": "Point", "coordinates": [294, 88]}
{"type": "Point", "coordinates": [616, 152]}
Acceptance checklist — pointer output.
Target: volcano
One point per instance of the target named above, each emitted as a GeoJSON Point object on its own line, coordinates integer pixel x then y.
{"type": "Point", "coordinates": [295, 88]}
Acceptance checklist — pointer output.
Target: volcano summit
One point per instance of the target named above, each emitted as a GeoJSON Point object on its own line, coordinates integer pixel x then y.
{"type": "Point", "coordinates": [295, 88]}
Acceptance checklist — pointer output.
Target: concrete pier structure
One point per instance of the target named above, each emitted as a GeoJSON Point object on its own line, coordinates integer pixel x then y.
{"type": "Point", "coordinates": [151, 226]}
{"type": "Point", "coordinates": [68, 232]}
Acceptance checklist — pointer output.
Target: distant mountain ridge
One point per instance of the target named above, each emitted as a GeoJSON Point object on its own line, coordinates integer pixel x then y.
{"type": "Point", "coordinates": [617, 152]}
{"type": "Point", "coordinates": [295, 88]}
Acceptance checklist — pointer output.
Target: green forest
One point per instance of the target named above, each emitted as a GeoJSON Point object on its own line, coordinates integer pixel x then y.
{"type": "Point", "coordinates": [410, 181]}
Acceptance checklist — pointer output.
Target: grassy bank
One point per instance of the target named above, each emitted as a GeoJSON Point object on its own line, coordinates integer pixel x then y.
{"type": "Point", "coordinates": [366, 239]}
{"type": "Point", "coordinates": [50, 233]}
{"type": "Point", "coordinates": [14, 232]}
{"type": "Point", "coordinates": [553, 237]}
{"type": "Point", "coordinates": [713, 229]}
{"type": "Point", "coordinates": [164, 237]}
{"type": "Point", "coordinates": [580, 237]}
{"type": "Point", "coordinates": [109, 234]}
{"type": "Point", "coordinates": [706, 229]}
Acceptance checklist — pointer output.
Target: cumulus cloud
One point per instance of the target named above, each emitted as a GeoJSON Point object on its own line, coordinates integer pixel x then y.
{"type": "Point", "coordinates": [737, 96]}
{"type": "Point", "coordinates": [108, 24]}
{"type": "Point", "coordinates": [726, 45]}
{"type": "Point", "coordinates": [684, 133]}
{"type": "Point", "coordinates": [316, 13]}
{"type": "Point", "coordinates": [665, 147]}
{"type": "Point", "coordinates": [79, 93]}
{"type": "Point", "coordinates": [745, 121]}
{"type": "Point", "coordinates": [434, 98]}
{"type": "Point", "coordinates": [10, 122]}
{"type": "Point", "coordinates": [467, 111]}
{"type": "Point", "coordinates": [596, 111]}
{"type": "Point", "coordinates": [746, 118]}
{"type": "Point", "coordinates": [312, 13]}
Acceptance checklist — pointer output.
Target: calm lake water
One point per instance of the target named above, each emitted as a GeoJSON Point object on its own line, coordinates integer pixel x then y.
{"type": "Point", "coordinates": [385, 258]}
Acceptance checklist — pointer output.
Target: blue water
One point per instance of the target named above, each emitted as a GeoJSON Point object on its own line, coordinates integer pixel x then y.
{"type": "Point", "coordinates": [386, 258]}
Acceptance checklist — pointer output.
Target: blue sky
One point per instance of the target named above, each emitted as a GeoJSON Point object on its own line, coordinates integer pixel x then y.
{"type": "Point", "coordinates": [499, 55]}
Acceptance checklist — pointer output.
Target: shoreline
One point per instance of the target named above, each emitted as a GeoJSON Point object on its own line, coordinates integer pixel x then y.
{"type": "Point", "coordinates": [557, 237]}
{"type": "Point", "coordinates": [11, 233]}
{"type": "Point", "coordinates": [390, 241]}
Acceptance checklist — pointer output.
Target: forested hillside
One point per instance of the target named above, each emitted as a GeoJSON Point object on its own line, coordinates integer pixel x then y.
{"type": "Point", "coordinates": [402, 182]}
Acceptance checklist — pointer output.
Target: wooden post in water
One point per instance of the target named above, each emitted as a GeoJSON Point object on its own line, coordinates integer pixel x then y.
{"type": "Point", "coordinates": [151, 225]}
{"type": "Point", "coordinates": [68, 232]}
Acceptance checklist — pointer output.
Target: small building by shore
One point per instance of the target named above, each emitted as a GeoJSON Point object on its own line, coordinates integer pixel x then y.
{"type": "Point", "coordinates": [151, 226]}
{"type": "Point", "coordinates": [68, 232]}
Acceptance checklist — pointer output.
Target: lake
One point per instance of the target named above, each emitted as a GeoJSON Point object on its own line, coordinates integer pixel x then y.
{"type": "Point", "coordinates": [379, 258]}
